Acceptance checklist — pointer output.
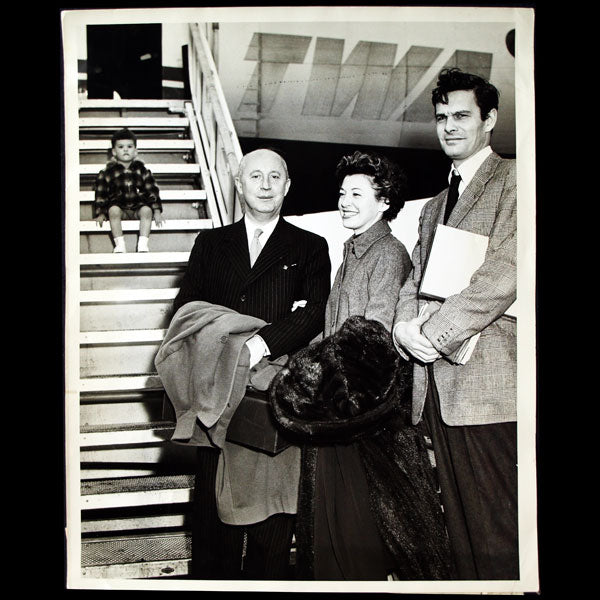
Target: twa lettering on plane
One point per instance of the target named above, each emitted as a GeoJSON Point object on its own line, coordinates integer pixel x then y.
{"type": "Point", "coordinates": [380, 87]}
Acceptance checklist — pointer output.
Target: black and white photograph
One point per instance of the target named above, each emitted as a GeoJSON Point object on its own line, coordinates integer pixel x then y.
{"type": "Point", "coordinates": [299, 299]}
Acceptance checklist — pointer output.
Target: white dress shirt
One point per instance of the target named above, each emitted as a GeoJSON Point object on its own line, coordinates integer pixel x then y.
{"type": "Point", "coordinates": [469, 167]}
{"type": "Point", "coordinates": [267, 229]}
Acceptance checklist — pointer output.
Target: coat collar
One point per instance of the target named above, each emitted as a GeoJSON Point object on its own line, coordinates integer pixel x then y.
{"type": "Point", "coordinates": [360, 243]}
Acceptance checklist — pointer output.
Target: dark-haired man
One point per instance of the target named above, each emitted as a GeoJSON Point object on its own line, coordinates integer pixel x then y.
{"type": "Point", "coordinates": [469, 409]}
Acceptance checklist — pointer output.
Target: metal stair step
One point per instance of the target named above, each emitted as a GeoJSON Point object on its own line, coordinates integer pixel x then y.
{"type": "Point", "coordinates": [130, 524]}
{"type": "Point", "coordinates": [121, 337]}
{"type": "Point", "coordinates": [177, 204]}
{"type": "Point", "coordinates": [118, 397]}
{"type": "Point", "coordinates": [129, 295]}
{"type": "Point", "coordinates": [118, 358]}
{"type": "Point", "coordinates": [120, 309]}
{"type": "Point", "coordinates": [153, 458]}
{"type": "Point", "coordinates": [133, 259]}
{"type": "Point", "coordinates": [143, 144]}
{"type": "Point", "coordinates": [169, 225]}
{"type": "Point", "coordinates": [93, 169]}
{"type": "Point", "coordinates": [101, 472]}
{"type": "Point", "coordinates": [131, 433]}
{"type": "Point", "coordinates": [124, 427]}
{"type": "Point", "coordinates": [165, 195]}
{"type": "Point", "coordinates": [137, 556]}
{"type": "Point", "coordinates": [133, 123]}
{"type": "Point", "coordinates": [146, 459]}
{"type": "Point", "coordinates": [148, 382]}
{"type": "Point", "coordinates": [130, 103]}
{"type": "Point", "coordinates": [136, 491]}
{"type": "Point", "coordinates": [106, 410]}
{"type": "Point", "coordinates": [119, 352]}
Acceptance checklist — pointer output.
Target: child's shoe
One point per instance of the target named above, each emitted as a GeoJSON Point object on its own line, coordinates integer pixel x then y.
{"type": "Point", "coordinates": [142, 245]}
{"type": "Point", "coordinates": [119, 245]}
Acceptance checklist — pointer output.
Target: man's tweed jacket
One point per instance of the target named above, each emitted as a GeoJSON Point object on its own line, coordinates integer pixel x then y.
{"type": "Point", "coordinates": [484, 389]}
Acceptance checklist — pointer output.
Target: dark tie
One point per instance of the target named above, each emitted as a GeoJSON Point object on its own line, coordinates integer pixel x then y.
{"type": "Point", "coordinates": [452, 195]}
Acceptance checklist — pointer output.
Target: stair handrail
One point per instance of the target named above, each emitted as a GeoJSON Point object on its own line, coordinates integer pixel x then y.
{"type": "Point", "coordinates": [222, 148]}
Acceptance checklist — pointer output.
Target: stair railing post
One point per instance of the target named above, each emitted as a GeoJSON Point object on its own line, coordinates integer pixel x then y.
{"type": "Point", "coordinates": [211, 109]}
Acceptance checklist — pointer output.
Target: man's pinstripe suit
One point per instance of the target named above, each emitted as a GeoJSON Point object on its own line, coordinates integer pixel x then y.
{"type": "Point", "coordinates": [293, 265]}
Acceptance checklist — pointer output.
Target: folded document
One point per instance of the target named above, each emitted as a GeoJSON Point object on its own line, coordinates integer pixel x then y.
{"type": "Point", "coordinates": [455, 255]}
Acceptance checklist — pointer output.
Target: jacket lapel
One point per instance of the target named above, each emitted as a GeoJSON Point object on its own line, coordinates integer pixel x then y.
{"type": "Point", "coordinates": [275, 249]}
{"type": "Point", "coordinates": [235, 249]}
{"type": "Point", "coordinates": [430, 225]}
{"type": "Point", "coordinates": [474, 190]}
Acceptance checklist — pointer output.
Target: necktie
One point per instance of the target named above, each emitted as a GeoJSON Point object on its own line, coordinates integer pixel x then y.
{"type": "Point", "coordinates": [255, 247]}
{"type": "Point", "coordinates": [452, 195]}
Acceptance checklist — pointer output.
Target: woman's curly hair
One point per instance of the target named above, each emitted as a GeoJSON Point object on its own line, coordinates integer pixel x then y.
{"type": "Point", "coordinates": [388, 180]}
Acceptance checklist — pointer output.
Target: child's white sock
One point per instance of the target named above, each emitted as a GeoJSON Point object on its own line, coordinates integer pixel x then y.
{"type": "Point", "coordinates": [119, 244]}
{"type": "Point", "coordinates": [142, 244]}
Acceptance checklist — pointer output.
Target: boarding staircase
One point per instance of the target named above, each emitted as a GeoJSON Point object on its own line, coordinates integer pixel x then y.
{"type": "Point", "coordinates": [136, 485]}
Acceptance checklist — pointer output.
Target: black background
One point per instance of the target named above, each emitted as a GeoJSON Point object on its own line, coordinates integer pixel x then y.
{"type": "Point", "coordinates": [566, 548]}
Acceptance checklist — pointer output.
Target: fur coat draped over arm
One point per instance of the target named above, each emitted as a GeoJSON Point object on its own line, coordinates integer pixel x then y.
{"type": "Point", "coordinates": [353, 387]}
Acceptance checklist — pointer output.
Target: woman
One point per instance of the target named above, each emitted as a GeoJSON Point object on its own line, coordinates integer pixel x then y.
{"type": "Point", "coordinates": [367, 508]}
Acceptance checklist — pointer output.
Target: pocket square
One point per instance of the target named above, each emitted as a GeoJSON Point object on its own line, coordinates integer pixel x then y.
{"type": "Point", "coordinates": [298, 304]}
{"type": "Point", "coordinates": [286, 267]}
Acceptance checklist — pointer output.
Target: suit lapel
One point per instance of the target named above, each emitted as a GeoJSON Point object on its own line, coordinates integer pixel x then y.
{"type": "Point", "coordinates": [474, 190]}
{"type": "Point", "coordinates": [276, 247]}
{"type": "Point", "coordinates": [235, 249]}
{"type": "Point", "coordinates": [430, 225]}
{"type": "Point", "coordinates": [465, 203]}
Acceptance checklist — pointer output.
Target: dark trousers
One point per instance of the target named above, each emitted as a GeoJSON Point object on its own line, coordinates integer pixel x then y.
{"type": "Point", "coordinates": [477, 472]}
{"type": "Point", "coordinates": [221, 551]}
{"type": "Point", "coordinates": [347, 541]}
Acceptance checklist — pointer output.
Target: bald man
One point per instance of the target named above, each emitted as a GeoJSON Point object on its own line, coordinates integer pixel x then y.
{"type": "Point", "coordinates": [259, 266]}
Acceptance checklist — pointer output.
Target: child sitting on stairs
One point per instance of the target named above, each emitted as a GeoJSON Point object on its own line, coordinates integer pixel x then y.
{"type": "Point", "coordinates": [126, 189]}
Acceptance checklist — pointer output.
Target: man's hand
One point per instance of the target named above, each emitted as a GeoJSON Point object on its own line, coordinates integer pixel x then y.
{"type": "Point", "coordinates": [100, 219]}
{"type": "Point", "coordinates": [408, 335]}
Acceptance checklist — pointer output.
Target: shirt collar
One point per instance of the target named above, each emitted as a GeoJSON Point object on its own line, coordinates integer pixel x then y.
{"type": "Point", "coordinates": [267, 229]}
{"type": "Point", "coordinates": [363, 241]}
{"type": "Point", "coordinates": [469, 167]}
